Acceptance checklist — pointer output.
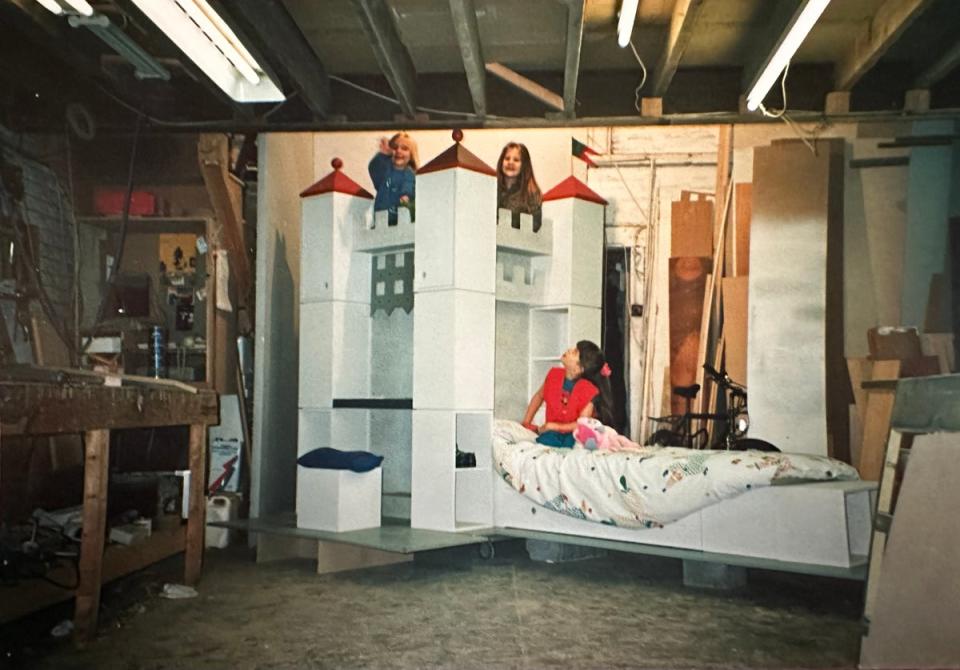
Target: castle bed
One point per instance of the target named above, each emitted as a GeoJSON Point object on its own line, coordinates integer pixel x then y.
{"type": "Point", "coordinates": [783, 507]}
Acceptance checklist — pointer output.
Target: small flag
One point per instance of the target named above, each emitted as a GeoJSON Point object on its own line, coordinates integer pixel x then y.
{"type": "Point", "coordinates": [583, 152]}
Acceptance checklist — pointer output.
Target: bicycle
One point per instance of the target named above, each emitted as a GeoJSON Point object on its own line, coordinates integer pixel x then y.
{"type": "Point", "coordinates": [733, 423]}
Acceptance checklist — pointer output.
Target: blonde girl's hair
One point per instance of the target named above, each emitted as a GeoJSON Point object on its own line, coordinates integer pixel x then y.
{"type": "Point", "coordinates": [410, 142]}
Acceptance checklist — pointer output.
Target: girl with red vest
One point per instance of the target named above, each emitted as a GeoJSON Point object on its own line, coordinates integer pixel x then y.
{"type": "Point", "coordinates": [580, 388]}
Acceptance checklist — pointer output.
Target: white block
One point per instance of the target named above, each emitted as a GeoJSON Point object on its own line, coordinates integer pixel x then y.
{"type": "Point", "coordinates": [338, 500]}
{"type": "Point", "coordinates": [329, 268]}
{"type": "Point", "coordinates": [453, 342]}
{"type": "Point", "coordinates": [576, 264]}
{"type": "Point", "coordinates": [474, 496]}
{"type": "Point", "coordinates": [433, 484]}
{"type": "Point", "coordinates": [456, 234]}
{"type": "Point", "coordinates": [344, 429]}
{"type": "Point", "coordinates": [584, 324]}
{"type": "Point", "coordinates": [334, 352]}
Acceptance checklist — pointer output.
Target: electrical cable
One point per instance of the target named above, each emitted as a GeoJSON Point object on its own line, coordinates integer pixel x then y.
{"type": "Point", "coordinates": [782, 113]}
{"type": "Point", "coordinates": [430, 110]}
{"type": "Point", "coordinates": [121, 242]}
{"type": "Point", "coordinates": [643, 68]}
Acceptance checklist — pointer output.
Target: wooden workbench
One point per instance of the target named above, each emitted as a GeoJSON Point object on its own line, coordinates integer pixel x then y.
{"type": "Point", "coordinates": [72, 404]}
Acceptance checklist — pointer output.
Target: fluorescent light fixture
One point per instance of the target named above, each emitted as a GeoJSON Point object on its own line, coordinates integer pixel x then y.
{"type": "Point", "coordinates": [628, 13]}
{"type": "Point", "coordinates": [81, 6]}
{"type": "Point", "coordinates": [51, 6]}
{"type": "Point", "coordinates": [207, 40]}
{"type": "Point", "coordinates": [145, 65]}
{"type": "Point", "coordinates": [803, 23]}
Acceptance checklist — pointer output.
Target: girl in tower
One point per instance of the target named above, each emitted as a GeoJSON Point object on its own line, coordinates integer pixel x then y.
{"type": "Point", "coordinates": [517, 188]}
{"type": "Point", "coordinates": [580, 388]}
{"type": "Point", "coordinates": [393, 172]}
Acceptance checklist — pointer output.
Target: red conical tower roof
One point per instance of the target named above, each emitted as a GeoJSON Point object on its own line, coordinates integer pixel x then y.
{"type": "Point", "coordinates": [571, 187]}
{"type": "Point", "coordinates": [336, 182]}
{"type": "Point", "coordinates": [457, 156]}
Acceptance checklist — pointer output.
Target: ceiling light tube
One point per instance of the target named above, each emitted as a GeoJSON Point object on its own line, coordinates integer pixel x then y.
{"type": "Point", "coordinates": [802, 25]}
{"type": "Point", "coordinates": [237, 74]}
{"type": "Point", "coordinates": [628, 13]}
{"type": "Point", "coordinates": [81, 6]}
{"type": "Point", "coordinates": [51, 6]}
{"type": "Point", "coordinates": [198, 11]}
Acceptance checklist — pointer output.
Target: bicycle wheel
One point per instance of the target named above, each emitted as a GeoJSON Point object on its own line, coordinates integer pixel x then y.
{"type": "Point", "coordinates": [663, 438]}
{"type": "Point", "coordinates": [752, 443]}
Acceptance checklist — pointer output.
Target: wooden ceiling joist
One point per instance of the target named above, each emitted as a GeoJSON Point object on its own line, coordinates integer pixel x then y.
{"type": "Point", "coordinates": [681, 31]}
{"type": "Point", "coordinates": [528, 86]}
{"type": "Point", "coordinates": [468, 37]}
{"type": "Point", "coordinates": [571, 69]}
{"type": "Point", "coordinates": [286, 43]}
{"type": "Point", "coordinates": [881, 32]}
{"type": "Point", "coordinates": [392, 55]}
{"type": "Point", "coordinates": [939, 70]}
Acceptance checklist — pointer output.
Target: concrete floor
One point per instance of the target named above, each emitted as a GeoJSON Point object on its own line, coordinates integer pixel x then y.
{"type": "Point", "coordinates": [453, 609]}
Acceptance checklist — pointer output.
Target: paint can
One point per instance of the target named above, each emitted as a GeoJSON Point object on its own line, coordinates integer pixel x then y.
{"type": "Point", "coordinates": [158, 351]}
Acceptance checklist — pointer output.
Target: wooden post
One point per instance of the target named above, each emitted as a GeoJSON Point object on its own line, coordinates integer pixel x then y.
{"type": "Point", "coordinates": [196, 519]}
{"type": "Point", "coordinates": [95, 474]}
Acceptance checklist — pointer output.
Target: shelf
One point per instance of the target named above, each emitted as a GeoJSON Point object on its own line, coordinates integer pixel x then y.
{"type": "Point", "coordinates": [150, 224]}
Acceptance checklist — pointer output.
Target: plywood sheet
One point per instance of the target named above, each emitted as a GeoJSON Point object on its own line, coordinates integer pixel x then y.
{"type": "Point", "coordinates": [799, 390]}
{"type": "Point", "coordinates": [735, 326]}
{"type": "Point", "coordinates": [876, 427]}
{"type": "Point", "coordinates": [691, 228]}
{"type": "Point", "coordinates": [688, 279]}
{"type": "Point", "coordinates": [743, 212]}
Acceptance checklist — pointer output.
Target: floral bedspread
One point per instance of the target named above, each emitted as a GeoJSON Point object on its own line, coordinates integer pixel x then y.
{"type": "Point", "coordinates": [640, 486]}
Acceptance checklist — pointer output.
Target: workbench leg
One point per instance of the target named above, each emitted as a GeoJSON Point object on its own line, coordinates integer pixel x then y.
{"type": "Point", "coordinates": [95, 474]}
{"type": "Point", "coordinates": [196, 519]}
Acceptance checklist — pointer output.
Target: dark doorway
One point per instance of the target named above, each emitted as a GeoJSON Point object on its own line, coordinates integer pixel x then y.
{"type": "Point", "coordinates": [613, 333]}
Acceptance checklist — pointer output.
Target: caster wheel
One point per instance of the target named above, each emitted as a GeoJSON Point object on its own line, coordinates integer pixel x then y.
{"type": "Point", "coordinates": [486, 550]}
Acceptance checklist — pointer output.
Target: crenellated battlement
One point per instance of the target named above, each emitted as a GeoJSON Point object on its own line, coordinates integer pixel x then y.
{"type": "Point", "coordinates": [373, 234]}
{"type": "Point", "coordinates": [523, 240]}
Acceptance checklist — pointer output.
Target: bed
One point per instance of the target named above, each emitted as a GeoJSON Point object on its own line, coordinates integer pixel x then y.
{"type": "Point", "coordinates": [783, 507]}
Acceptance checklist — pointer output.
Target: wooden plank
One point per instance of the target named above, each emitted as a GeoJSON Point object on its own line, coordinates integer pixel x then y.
{"type": "Point", "coordinates": [41, 409]}
{"type": "Point", "coordinates": [681, 32]}
{"type": "Point", "coordinates": [528, 86]}
{"type": "Point", "coordinates": [735, 295]}
{"type": "Point", "coordinates": [894, 343]}
{"type": "Point", "coordinates": [724, 166]}
{"type": "Point", "coordinates": [337, 557]}
{"type": "Point", "coordinates": [225, 195]}
{"type": "Point", "coordinates": [741, 235]}
{"type": "Point", "coordinates": [571, 68]}
{"type": "Point", "coordinates": [687, 284]}
{"type": "Point", "coordinates": [876, 428]}
{"type": "Point", "coordinates": [941, 346]}
{"type": "Point", "coordinates": [884, 28]}
{"type": "Point", "coordinates": [48, 348]}
{"type": "Point", "coordinates": [196, 519]}
{"type": "Point", "coordinates": [95, 474]}
{"type": "Point", "coordinates": [691, 224]}
{"type": "Point", "coordinates": [376, 18]}
{"type": "Point", "coordinates": [860, 370]}
{"type": "Point", "coordinates": [471, 53]}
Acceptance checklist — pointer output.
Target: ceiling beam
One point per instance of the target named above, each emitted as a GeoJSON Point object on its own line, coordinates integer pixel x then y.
{"type": "Point", "coordinates": [681, 30]}
{"type": "Point", "coordinates": [528, 86]}
{"type": "Point", "coordinates": [571, 68]}
{"type": "Point", "coordinates": [277, 30]}
{"type": "Point", "coordinates": [392, 55]}
{"type": "Point", "coordinates": [468, 37]}
{"type": "Point", "coordinates": [882, 30]}
{"type": "Point", "coordinates": [939, 70]}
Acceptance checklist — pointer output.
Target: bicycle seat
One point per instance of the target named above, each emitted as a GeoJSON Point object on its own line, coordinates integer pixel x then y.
{"type": "Point", "coordinates": [689, 392]}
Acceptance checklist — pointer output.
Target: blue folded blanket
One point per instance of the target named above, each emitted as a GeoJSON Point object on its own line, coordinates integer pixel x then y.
{"type": "Point", "coordinates": [334, 459]}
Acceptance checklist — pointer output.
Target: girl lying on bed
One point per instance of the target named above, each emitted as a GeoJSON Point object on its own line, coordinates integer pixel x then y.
{"type": "Point", "coordinates": [580, 388]}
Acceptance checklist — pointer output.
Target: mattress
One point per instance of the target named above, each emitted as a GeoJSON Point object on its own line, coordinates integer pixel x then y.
{"type": "Point", "coordinates": [644, 486]}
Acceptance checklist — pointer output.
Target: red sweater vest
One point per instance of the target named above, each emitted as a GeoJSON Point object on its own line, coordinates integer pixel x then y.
{"type": "Point", "coordinates": [562, 408]}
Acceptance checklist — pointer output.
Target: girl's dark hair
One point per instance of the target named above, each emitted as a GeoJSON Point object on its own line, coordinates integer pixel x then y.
{"type": "Point", "coordinates": [524, 195]}
{"type": "Point", "coordinates": [592, 362]}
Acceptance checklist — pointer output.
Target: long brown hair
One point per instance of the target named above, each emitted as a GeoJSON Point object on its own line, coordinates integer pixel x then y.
{"type": "Point", "coordinates": [525, 195]}
{"type": "Point", "coordinates": [592, 361]}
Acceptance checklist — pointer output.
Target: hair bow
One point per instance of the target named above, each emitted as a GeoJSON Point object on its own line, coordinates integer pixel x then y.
{"type": "Point", "coordinates": [605, 370]}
